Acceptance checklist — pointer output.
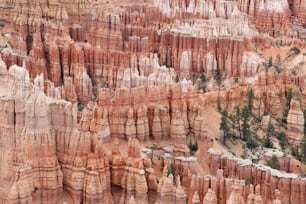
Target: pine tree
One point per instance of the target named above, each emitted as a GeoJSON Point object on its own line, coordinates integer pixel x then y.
{"type": "Point", "coordinates": [224, 125]}
{"type": "Point", "coordinates": [281, 136]}
{"type": "Point", "coordinates": [250, 99]}
{"type": "Point", "coordinates": [303, 144]}
{"type": "Point", "coordinates": [245, 123]}
{"type": "Point", "coordinates": [267, 140]}
{"type": "Point", "coordinates": [237, 119]}
{"type": "Point", "coordinates": [218, 77]}
{"type": "Point", "coordinates": [289, 96]}
{"type": "Point", "coordinates": [177, 78]}
{"type": "Point", "coordinates": [203, 82]}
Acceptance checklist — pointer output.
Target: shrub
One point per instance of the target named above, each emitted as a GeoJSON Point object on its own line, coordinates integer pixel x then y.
{"type": "Point", "coordinates": [281, 136]}
{"type": "Point", "coordinates": [177, 78]}
{"type": "Point", "coordinates": [249, 180]}
{"type": "Point", "coordinates": [273, 162]}
{"type": "Point", "coordinates": [193, 147]}
{"type": "Point", "coordinates": [295, 50]}
{"type": "Point", "coordinates": [80, 106]}
{"type": "Point", "coordinates": [251, 143]}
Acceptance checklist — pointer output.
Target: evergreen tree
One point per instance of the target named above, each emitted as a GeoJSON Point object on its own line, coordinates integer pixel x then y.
{"type": "Point", "coordinates": [267, 140]}
{"type": "Point", "coordinates": [219, 107]}
{"type": "Point", "coordinates": [203, 82]}
{"type": "Point", "coordinates": [250, 99]}
{"type": "Point", "coordinates": [251, 143]}
{"type": "Point", "coordinates": [273, 162]}
{"type": "Point", "coordinates": [218, 77]}
{"type": "Point", "coordinates": [303, 144]}
{"type": "Point", "coordinates": [177, 78]}
{"type": "Point", "coordinates": [289, 96]}
{"type": "Point", "coordinates": [193, 147]}
{"type": "Point", "coordinates": [281, 136]}
{"type": "Point", "coordinates": [245, 123]}
{"type": "Point", "coordinates": [203, 78]}
{"type": "Point", "coordinates": [237, 120]}
{"type": "Point", "coordinates": [224, 125]}
{"type": "Point", "coordinates": [234, 122]}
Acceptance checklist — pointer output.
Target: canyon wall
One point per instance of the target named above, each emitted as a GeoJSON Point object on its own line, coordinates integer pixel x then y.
{"type": "Point", "coordinates": [80, 76]}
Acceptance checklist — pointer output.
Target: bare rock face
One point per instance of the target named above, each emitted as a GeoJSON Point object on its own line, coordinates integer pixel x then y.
{"type": "Point", "coordinates": [195, 198]}
{"type": "Point", "coordinates": [277, 197]}
{"type": "Point", "coordinates": [30, 133]}
{"type": "Point", "coordinates": [295, 123]}
{"type": "Point", "coordinates": [177, 131]}
{"type": "Point", "coordinates": [235, 196]}
{"type": "Point", "coordinates": [269, 15]}
{"type": "Point", "coordinates": [291, 186]}
{"type": "Point", "coordinates": [44, 127]}
{"type": "Point", "coordinates": [138, 72]}
{"type": "Point", "coordinates": [210, 197]}
{"type": "Point", "coordinates": [298, 8]}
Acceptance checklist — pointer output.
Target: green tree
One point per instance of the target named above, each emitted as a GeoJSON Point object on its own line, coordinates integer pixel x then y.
{"type": "Point", "coordinates": [153, 147]}
{"type": "Point", "coordinates": [203, 78]}
{"type": "Point", "coordinates": [203, 82]}
{"type": "Point", "coordinates": [94, 86]}
{"type": "Point", "coordinates": [273, 162]}
{"type": "Point", "coordinates": [237, 119]}
{"type": "Point", "coordinates": [224, 125]}
{"type": "Point", "coordinates": [282, 138]}
{"type": "Point", "coordinates": [251, 143]}
{"type": "Point", "coordinates": [235, 122]}
{"type": "Point", "coordinates": [250, 99]}
{"type": "Point", "coordinates": [267, 140]}
{"type": "Point", "coordinates": [270, 63]}
{"type": "Point", "coordinates": [219, 107]}
{"type": "Point", "coordinates": [177, 78]}
{"type": "Point", "coordinates": [193, 147]}
{"type": "Point", "coordinates": [284, 118]}
{"type": "Point", "coordinates": [295, 50]}
{"type": "Point", "coordinates": [80, 106]}
{"type": "Point", "coordinates": [245, 123]}
{"type": "Point", "coordinates": [289, 96]}
{"type": "Point", "coordinates": [218, 77]}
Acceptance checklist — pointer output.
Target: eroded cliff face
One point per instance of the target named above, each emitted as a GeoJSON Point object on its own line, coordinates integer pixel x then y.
{"type": "Point", "coordinates": [111, 41]}
{"type": "Point", "coordinates": [103, 95]}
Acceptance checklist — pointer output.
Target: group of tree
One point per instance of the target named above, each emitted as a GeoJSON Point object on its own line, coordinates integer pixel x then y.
{"type": "Point", "coordinates": [243, 124]}
{"type": "Point", "coordinates": [240, 123]}
{"type": "Point", "coordinates": [237, 124]}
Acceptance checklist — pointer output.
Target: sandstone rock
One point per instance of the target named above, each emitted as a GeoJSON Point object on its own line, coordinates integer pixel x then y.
{"type": "Point", "coordinates": [177, 131]}
{"type": "Point", "coordinates": [295, 123]}
{"type": "Point", "coordinates": [235, 196]}
{"type": "Point", "coordinates": [132, 200]}
{"type": "Point", "coordinates": [195, 198]}
{"type": "Point", "coordinates": [210, 197]}
{"type": "Point", "coordinates": [130, 128]}
{"type": "Point", "coordinates": [121, 60]}
{"type": "Point", "coordinates": [277, 198]}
